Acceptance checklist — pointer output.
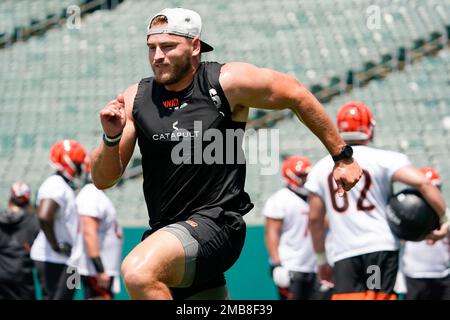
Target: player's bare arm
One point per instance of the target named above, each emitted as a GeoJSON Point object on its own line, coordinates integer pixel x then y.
{"type": "Point", "coordinates": [317, 222]}
{"type": "Point", "coordinates": [91, 227]}
{"type": "Point", "coordinates": [246, 86]}
{"type": "Point", "coordinates": [412, 176]}
{"type": "Point", "coordinates": [46, 214]}
{"type": "Point", "coordinates": [90, 235]}
{"type": "Point", "coordinates": [109, 162]}
{"type": "Point", "coordinates": [272, 235]}
{"type": "Point", "coordinates": [318, 225]}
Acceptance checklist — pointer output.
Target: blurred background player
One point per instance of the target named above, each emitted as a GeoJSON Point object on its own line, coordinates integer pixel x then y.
{"type": "Point", "coordinates": [288, 240]}
{"type": "Point", "coordinates": [361, 235]}
{"type": "Point", "coordinates": [426, 265]}
{"type": "Point", "coordinates": [58, 219]}
{"type": "Point", "coordinates": [18, 229]}
{"type": "Point", "coordinates": [98, 251]}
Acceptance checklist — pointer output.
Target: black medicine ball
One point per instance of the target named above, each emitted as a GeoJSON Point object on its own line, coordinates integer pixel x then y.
{"type": "Point", "coordinates": [410, 217]}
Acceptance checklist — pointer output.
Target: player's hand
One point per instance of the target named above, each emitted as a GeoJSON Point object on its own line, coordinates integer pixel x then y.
{"type": "Point", "coordinates": [438, 234]}
{"type": "Point", "coordinates": [346, 173]}
{"type": "Point", "coordinates": [325, 273]}
{"type": "Point", "coordinates": [64, 248]}
{"type": "Point", "coordinates": [113, 117]}
{"type": "Point", "coordinates": [103, 280]}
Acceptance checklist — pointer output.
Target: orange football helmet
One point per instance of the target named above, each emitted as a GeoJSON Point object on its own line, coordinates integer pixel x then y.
{"type": "Point", "coordinates": [295, 170]}
{"type": "Point", "coordinates": [355, 121]}
{"type": "Point", "coordinates": [68, 157]}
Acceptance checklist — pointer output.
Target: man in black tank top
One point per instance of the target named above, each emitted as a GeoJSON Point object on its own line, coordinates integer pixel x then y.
{"type": "Point", "coordinates": [195, 206]}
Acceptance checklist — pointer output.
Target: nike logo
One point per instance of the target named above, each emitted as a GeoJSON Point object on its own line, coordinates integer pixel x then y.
{"type": "Point", "coordinates": [184, 104]}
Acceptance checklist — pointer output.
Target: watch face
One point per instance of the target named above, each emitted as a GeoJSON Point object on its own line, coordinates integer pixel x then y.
{"type": "Point", "coordinates": [348, 152]}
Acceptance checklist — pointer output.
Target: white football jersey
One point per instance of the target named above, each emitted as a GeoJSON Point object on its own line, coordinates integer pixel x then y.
{"type": "Point", "coordinates": [94, 203]}
{"type": "Point", "coordinates": [422, 260]}
{"type": "Point", "coordinates": [66, 221]}
{"type": "Point", "coordinates": [358, 219]}
{"type": "Point", "coordinates": [295, 248]}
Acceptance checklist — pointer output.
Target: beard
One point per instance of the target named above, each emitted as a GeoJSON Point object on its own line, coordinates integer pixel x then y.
{"type": "Point", "coordinates": [177, 71]}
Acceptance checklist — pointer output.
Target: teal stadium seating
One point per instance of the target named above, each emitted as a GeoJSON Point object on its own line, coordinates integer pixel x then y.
{"type": "Point", "coordinates": [53, 86]}
{"type": "Point", "coordinates": [20, 13]}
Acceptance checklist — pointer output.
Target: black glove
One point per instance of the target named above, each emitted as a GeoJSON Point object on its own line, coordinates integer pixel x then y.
{"type": "Point", "coordinates": [64, 248]}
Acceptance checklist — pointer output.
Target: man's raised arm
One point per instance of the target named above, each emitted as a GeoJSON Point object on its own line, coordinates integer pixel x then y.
{"type": "Point", "coordinates": [111, 157]}
{"type": "Point", "coordinates": [248, 86]}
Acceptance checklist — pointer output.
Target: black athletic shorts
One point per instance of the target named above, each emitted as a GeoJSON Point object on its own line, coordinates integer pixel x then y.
{"type": "Point", "coordinates": [366, 277]}
{"type": "Point", "coordinates": [428, 289]}
{"type": "Point", "coordinates": [220, 235]}
{"type": "Point", "coordinates": [53, 279]}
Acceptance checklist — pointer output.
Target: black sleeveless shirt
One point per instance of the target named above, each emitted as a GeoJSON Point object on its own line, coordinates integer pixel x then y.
{"type": "Point", "coordinates": [174, 190]}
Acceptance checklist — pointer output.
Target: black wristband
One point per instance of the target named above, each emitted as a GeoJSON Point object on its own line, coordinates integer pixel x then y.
{"type": "Point", "coordinates": [111, 141]}
{"type": "Point", "coordinates": [346, 153]}
{"type": "Point", "coordinates": [98, 264]}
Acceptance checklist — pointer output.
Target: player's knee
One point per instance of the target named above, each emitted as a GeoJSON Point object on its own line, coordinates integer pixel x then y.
{"type": "Point", "coordinates": [135, 276]}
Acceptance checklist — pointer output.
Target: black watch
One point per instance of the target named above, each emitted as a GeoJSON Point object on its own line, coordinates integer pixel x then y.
{"type": "Point", "coordinates": [346, 153]}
